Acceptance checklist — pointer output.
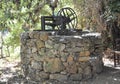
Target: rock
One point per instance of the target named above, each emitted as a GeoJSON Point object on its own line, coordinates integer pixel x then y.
{"type": "Point", "coordinates": [37, 57]}
{"type": "Point", "coordinates": [74, 50]}
{"type": "Point", "coordinates": [28, 51]}
{"type": "Point", "coordinates": [44, 75]}
{"type": "Point", "coordinates": [70, 60]}
{"type": "Point", "coordinates": [85, 53]}
{"type": "Point", "coordinates": [23, 48]}
{"type": "Point", "coordinates": [53, 65]}
{"type": "Point", "coordinates": [56, 46]}
{"type": "Point", "coordinates": [63, 56]}
{"type": "Point", "coordinates": [36, 35]}
{"type": "Point", "coordinates": [40, 44]}
{"type": "Point", "coordinates": [84, 64]}
{"type": "Point", "coordinates": [61, 47]}
{"type": "Point", "coordinates": [51, 53]}
{"type": "Point", "coordinates": [76, 77]}
{"type": "Point", "coordinates": [34, 49]}
{"type": "Point", "coordinates": [25, 35]}
{"type": "Point", "coordinates": [87, 72]}
{"type": "Point", "coordinates": [80, 70]}
{"type": "Point", "coordinates": [58, 77]}
{"type": "Point", "coordinates": [42, 52]}
{"type": "Point", "coordinates": [31, 35]}
{"type": "Point", "coordinates": [72, 69]}
{"type": "Point", "coordinates": [49, 44]}
{"type": "Point", "coordinates": [64, 72]}
{"type": "Point", "coordinates": [44, 36]}
{"type": "Point", "coordinates": [36, 65]}
{"type": "Point", "coordinates": [83, 59]}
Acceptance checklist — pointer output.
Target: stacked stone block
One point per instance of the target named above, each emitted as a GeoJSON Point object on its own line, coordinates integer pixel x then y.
{"type": "Point", "coordinates": [62, 58]}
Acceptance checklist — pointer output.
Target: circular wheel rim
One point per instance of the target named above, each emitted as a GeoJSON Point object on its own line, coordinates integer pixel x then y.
{"type": "Point", "coordinates": [68, 12]}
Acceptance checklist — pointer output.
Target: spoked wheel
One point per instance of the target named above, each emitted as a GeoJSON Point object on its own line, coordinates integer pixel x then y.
{"type": "Point", "coordinates": [68, 13]}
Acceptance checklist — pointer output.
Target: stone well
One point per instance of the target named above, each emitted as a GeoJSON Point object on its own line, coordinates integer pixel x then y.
{"type": "Point", "coordinates": [61, 58]}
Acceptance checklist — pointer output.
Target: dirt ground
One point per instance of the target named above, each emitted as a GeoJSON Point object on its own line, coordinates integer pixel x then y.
{"type": "Point", "coordinates": [10, 73]}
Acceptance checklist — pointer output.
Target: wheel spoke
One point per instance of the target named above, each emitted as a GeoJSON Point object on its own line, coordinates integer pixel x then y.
{"type": "Point", "coordinates": [68, 13]}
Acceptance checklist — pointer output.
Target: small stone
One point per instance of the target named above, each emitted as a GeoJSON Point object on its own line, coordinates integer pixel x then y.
{"type": "Point", "coordinates": [76, 77]}
{"type": "Point", "coordinates": [82, 53]}
{"type": "Point", "coordinates": [63, 59]}
{"type": "Point", "coordinates": [38, 57]}
{"type": "Point", "coordinates": [36, 35]}
{"type": "Point", "coordinates": [56, 46]}
{"type": "Point", "coordinates": [65, 64]}
{"type": "Point", "coordinates": [77, 49]}
{"type": "Point", "coordinates": [74, 50]}
{"type": "Point", "coordinates": [87, 72]}
{"type": "Point", "coordinates": [44, 36]}
{"type": "Point", "coordinates": [36, 65]}
{"type": "Point", "coordinates": [64, 72]}
{"type": "Point", "coordinates": [85, 53]}
{"type": "Point", "coordinates": [63, 56]}
{"type": "Point", "coordinates": [34, 50]}
{"type": "Point", "coordinates": [84, 64]}
{"type": "Point", "coordinates": [70, 60]}
{"type": "Point", "coordinates": [59, 77]}
{"type": "Point", "coordinates": [31, 34]}
{"type": "Point", "coordinates": [83, 59]}
{"type": "Point", "coordinates": [49, 44]}
{"type": "Point", "coordinates": [25, 35]}
{"type": "Point", "coordinates": [40, 44]}
{"type": "Point", "coordinates": [42, 52]}
{"type": "Point", "coordinates": [80, 70]}
{"type": "Point", "coordinates": [61, 47]}
{"type": "Point", "coordinates": [43, 75]}
{"type": "Point", "coordinates": [53, 65]}
{"type": "Point", "coordinates": [72, 69]}
{"type": "Point", "coordinates": [51, 53]}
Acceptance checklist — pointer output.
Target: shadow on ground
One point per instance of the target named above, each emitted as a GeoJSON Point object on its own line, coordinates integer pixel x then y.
{"type": "Point", "coordinates": [10, 73]}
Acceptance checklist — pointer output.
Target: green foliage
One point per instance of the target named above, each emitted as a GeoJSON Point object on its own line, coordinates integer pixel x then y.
{"type": "Point", "coordinates": [17, 16]}
{"type": "Point", "coordinates": [114, 6]}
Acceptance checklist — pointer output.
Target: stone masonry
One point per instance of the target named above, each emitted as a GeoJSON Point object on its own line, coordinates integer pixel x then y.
{"type": "Point", "coordinates": [61, 58]}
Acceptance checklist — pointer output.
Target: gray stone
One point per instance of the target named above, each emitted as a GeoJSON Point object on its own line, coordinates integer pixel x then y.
{"type": "Point", "coordinates": [53, 65]}
{"type": "Point", "coordinates": [58, 77]}
{"type": "Point", "coordinates": [49, 44]}
{"type": "Point", "coordinates": [34, 49]}
{"type": "Point", "coordinates": [44, 36]}
{"type": "Point", "coordinates": [42, 51]}
{"type": "Point", "coordinates": [80, 70]}
{"type": "Point", "coordinates": [37, 57]}
{"type": "Point", "coordinates": [56, 46]}
{"type": "Point", "coordinates": [36, 35]}
{"type": "Point", "coordinates": [63, 72]}
{"type": "Point", "coordinates": [51, 53]}
{"type": "Point", "coordinates": [25, 35]}
{"type": "Point", "coordinates": [40, 44]}
{"type": "Point", "coordinates": [61, 47]}
{"type": "Point", "coordinates": [76, 77]}
{"type": "Point", "coordinates": [87, 72]}
{"type": "Point", "coordinates": [36, 65]}
{"type": "Point", "coordinates": [72, 69]}
{"type": "Point", "coordinates": [44, 75]}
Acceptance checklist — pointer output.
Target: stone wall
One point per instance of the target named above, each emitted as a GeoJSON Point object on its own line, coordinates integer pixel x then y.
{"type": "Point", "coordinates": [62, 58]}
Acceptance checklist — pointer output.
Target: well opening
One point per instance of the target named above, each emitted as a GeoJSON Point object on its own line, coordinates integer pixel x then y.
{"type": "Point", "coordinates": [59, 57]}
